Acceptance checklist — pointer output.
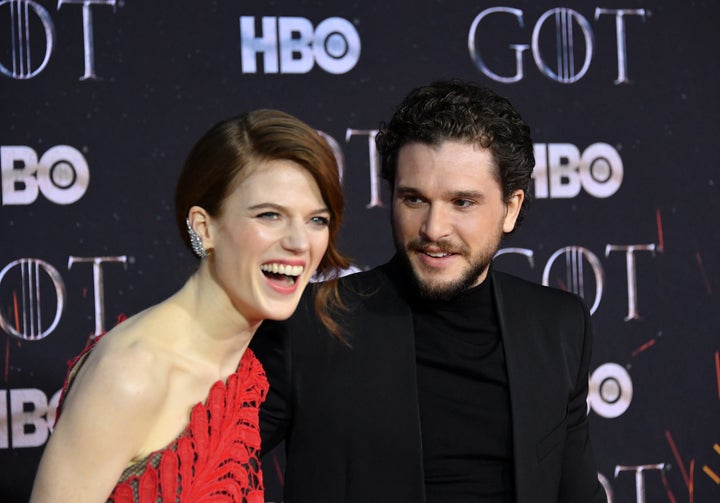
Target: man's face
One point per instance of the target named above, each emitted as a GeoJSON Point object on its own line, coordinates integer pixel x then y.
{"type": "Point", "coordinates": [449, 215]}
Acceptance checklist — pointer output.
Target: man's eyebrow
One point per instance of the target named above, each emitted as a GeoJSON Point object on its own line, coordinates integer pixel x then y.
{"type": "Point", "coordinates": [455, 194]}
{"type": "Point", "coordinates": [406, 189]}
{"type": "Point", "coordinates": [466, 194]}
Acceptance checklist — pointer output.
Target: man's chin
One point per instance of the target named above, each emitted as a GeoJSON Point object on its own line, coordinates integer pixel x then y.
{"type": "Point", "coordinates": [446, 286]}
{"type": "Point", "coordinates": [438, 290]}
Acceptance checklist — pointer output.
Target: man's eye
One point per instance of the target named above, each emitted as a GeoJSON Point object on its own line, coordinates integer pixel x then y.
{"type": "Point", "coordinates": [411, 200]}
{"type": "Point", "coordinates": [463, 203]}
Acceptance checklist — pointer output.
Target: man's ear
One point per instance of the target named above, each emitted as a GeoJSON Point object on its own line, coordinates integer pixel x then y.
{"type": "Point", "coordinates": [200, 221]}
{"type": "Point", "coordinates": [512, 209]}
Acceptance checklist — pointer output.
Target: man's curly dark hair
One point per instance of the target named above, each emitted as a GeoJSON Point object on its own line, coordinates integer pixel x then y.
{"type": "Point", "coordinates": [462, 111]}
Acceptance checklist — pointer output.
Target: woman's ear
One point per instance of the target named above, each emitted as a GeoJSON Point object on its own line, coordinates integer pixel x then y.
{"type": "Point", "coordinates": [200, 221]}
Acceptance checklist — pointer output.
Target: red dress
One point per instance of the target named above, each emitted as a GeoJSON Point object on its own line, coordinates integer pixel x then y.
{"type": "Point", "coordinates": [216, 458]}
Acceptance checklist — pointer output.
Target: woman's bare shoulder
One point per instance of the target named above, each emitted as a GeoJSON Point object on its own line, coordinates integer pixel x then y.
{"type": "Point", "coordinates": [130, 364]}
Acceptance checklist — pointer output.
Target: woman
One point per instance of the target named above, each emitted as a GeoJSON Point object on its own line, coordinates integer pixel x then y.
{"type": "Point", "coordinates": [165, 406]}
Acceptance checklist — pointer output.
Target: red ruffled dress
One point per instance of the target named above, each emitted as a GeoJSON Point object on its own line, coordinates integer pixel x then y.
{"type": "Point", "coordinates": [216, 458]}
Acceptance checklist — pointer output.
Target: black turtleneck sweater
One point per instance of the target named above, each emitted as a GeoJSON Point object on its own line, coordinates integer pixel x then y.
{"type": "Point", "coordinates": [464, 399]}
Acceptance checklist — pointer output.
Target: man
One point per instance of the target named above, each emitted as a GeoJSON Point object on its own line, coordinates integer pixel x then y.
{"type": "Point", "coordinates": [452, 382]}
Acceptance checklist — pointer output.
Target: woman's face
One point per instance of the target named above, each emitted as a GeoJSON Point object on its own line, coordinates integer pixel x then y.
{"type": "Point", "coordinates": [272, 232]}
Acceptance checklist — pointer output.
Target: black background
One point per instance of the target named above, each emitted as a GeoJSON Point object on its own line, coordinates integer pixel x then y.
{"type": "Point", "coordinates": [169, 70]}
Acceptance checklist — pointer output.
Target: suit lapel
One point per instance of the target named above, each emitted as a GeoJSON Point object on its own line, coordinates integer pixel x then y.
{"type": "Point", "coordinates": [517, 335]}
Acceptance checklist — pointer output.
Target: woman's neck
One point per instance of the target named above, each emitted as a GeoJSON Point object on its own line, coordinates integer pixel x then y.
{"type": "Point", "coordinates": [216, 331]}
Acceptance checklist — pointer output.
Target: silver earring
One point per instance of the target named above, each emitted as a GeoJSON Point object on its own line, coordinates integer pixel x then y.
{"type": "Point", "coordinates": [195, 241]}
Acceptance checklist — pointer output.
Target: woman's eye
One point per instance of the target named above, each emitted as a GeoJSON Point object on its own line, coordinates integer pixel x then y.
{"type": "Point", "coordinates": [269, 215]}
{"type": "Point", "coordinates": [324, 221]}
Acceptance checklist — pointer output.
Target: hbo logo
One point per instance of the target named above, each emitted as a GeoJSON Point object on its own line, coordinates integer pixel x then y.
{"type": "Point", "coordinates": [61, 174]}
{"type": "Point", "coordinates": [561, 170]}
{"type": "Point", "coordinates": [291, 45]}
{"type": "Point", "coordinates": [610, 390]}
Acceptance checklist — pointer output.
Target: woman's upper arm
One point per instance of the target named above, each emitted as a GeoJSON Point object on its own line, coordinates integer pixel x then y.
{"type": "Point", "coordinates": [105, 418]}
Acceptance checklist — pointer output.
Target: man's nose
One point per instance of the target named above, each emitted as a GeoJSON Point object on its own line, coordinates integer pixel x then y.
{"type": "Point", "coordinates": [436, 224]}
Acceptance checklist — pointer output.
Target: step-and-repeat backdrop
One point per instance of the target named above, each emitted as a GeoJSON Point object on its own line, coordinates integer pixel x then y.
{"type": "Point", "coordinates": [102, 99]}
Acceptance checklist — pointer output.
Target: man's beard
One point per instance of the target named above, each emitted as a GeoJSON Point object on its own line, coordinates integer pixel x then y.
{"type": "Point", "coordinates": [444, 291]}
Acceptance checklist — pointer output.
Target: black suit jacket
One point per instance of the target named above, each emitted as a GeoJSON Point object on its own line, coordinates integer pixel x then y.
{"type": "Point", "coordinates": [349, 414]}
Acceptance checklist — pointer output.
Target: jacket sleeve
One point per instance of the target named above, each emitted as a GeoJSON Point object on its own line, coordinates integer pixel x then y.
{"type": "Point", "coordinates": [579, 480]}
{"type": "Point", "coordinates": [272, 344]}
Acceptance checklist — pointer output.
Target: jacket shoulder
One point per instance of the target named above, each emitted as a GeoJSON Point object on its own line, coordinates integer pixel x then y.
{"type": "Point", "coordinates": [538, 295]}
